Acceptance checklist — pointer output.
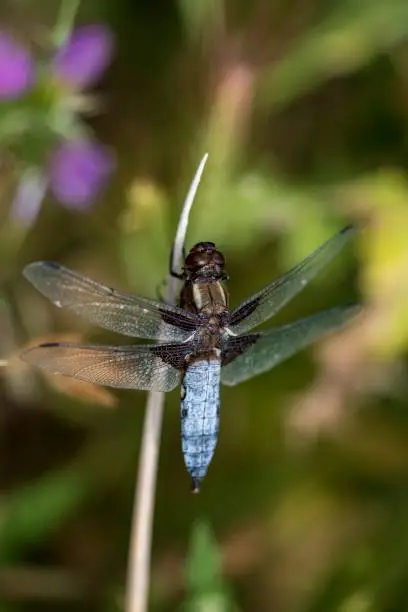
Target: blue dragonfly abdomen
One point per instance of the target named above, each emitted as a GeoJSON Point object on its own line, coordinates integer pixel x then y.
{"type": "Point", "coordinates": [200, 416]}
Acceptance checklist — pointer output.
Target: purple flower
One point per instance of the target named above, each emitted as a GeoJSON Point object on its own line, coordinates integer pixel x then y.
{"type": "Point", "coordinates": [78, 170]}
{"type": "Point", "coordinates": [17, 71]}
{"type": "Point", "coordinates": [85, 56]}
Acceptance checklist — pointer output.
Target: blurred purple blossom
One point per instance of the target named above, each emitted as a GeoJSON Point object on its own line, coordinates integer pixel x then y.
{"type": "Point", "coordinates": [77, 169]}
{"type": "Point", "coordinates": [85, 56]}
{"type": "Point", "coordinates": [17, 70]}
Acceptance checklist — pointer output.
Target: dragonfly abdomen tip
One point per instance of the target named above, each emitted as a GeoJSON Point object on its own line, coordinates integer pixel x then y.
{"type": "Point", "coordinates": [195, 485]}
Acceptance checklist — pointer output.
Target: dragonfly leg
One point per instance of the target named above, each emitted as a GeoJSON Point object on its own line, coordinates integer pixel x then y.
{"type": "Point", "coordinates": [174, 273]}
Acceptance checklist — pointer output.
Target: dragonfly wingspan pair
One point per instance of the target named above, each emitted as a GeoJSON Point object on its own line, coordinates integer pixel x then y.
{"type": "Point", "coordinates": [200, 343]}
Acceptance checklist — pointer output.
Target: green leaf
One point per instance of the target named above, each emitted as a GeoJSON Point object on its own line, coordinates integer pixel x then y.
{"type": "Point", "coordinates": [32, 512]}
{"type": "Point", "coordinates": [65, 22]}
{"type": "Point", "coordinates": [349, 38]}
{"type": "Point", "coordinates": [202, 17]}
{"type": "Point", "coordinates": [205, 585]}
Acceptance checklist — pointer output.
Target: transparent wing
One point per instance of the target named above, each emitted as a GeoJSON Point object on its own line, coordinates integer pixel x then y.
{"type": "Point", "coordinates": [147, 367]}
{"type": "Point", "coordinates": [263, 305]}
{"type": "Point", "coordinates": [281, 343]}
{"type": "Point", "coordinates": [124, 313]}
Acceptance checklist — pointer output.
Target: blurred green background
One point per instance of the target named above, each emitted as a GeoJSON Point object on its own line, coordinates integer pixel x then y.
{"type": "Point", "coordinates": [303, 108]}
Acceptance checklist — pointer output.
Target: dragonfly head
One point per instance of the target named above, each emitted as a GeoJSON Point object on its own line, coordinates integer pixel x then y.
{"type": "Point", "coordinates": [204, 262]}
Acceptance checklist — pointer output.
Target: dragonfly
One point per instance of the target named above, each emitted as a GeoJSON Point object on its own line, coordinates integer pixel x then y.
{"type": "Point", "coordinates": [200, 342]}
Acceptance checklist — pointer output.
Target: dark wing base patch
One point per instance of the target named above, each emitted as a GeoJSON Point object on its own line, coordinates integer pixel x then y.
{"type": "Point", "coordinates": [235, 346]}
{"type": "Point", "coordinates": [172, 354]}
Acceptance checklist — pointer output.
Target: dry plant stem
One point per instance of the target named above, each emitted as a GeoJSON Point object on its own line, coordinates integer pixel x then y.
{"type": "Point", "coordinates": [137, 591]}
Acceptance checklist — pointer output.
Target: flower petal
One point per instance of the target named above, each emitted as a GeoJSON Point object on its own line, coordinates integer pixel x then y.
{"type": "Point", "coordinates": [85, 56]}
{"type": "Point", "coordinates": [79, 170]}
{"type": "Point", "coordinates": [17, 70]}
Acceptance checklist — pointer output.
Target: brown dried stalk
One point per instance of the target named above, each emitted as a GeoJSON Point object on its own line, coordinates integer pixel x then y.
{"type": "Point", "coordinates": [142, 517]}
